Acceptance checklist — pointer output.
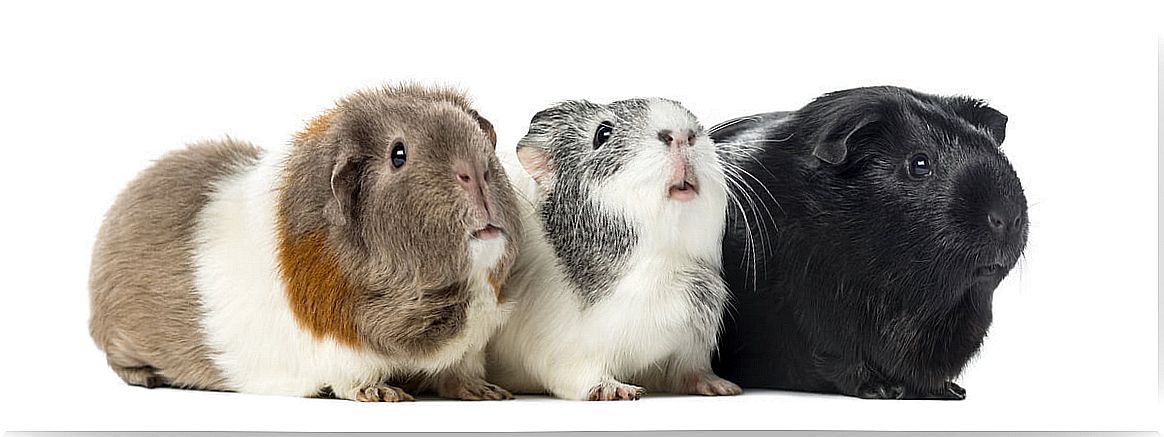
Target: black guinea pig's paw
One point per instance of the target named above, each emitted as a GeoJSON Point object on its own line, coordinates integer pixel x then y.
{"type": "Point", "coordinates": [948, 391]}
{"type": "Point", "coordinates": [880, 390]}
{"type": "Point", "coordinates": [952, 391]}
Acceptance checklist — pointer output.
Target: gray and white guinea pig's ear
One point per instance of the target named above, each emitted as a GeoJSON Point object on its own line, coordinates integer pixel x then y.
{"type": "Point", "coordinates": [486, 126]}
{"type": "Point", "coordinates": [345, 179]}
{"type": "Point", "coordinates": [537, 162]}
{"type": "Point", "coordinates": [984, 117]}
{"type": "Point", "coordinates": [832, 146]}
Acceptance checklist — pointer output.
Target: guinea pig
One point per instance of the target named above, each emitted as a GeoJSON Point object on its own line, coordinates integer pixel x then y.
{"type": "Point", "coordinates": [374, 248]}
{"type": "Point", "coordinates": [884, 220]}
{"type": "Point", "coordinates": [618, 285]}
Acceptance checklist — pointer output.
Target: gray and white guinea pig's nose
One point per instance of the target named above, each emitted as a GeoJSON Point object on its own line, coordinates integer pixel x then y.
{"type": "Point", "coordinates": [677, 137]}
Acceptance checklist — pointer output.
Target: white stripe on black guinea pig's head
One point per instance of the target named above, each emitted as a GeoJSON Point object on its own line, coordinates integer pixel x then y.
{"type": "Point", "coordinates": [639, 157]}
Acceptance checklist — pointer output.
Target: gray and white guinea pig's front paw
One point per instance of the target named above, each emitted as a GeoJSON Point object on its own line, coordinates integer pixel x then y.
{"type": "Point", "coordinates": [473, 390]}
{"type": "Point", "coordinates": [378, 392]}
{"type": "Point", "coordinates": [709, 384]}
{"type": "Point", "coordinates": [614, 391]}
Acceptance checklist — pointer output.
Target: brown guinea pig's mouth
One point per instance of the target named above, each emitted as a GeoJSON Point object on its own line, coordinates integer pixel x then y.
{"type": "Point", "coordinates": [683, 190]}
{"type": "Point", "coordinates": [487, 233]}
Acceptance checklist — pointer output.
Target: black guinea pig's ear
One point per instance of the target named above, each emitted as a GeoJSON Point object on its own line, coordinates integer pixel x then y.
{"type": "Point", "coordinates": [978, 114]}
{"type": "Point", "coordinates": [833, 145]}
{"type": "Point", "coordinates": [486, 126]}
{"type": "Point", "coordinates": [536, 161]}
{"type": "Point", "coordinates": [345, 186]}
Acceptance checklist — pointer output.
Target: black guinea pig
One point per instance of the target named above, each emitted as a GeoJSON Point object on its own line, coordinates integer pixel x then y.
{"type": "Point", "coordinates": [864, 253]}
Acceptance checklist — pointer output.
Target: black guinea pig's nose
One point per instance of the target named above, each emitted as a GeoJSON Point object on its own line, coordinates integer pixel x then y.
{"type": "Point", "coordinates": [1004, 220]}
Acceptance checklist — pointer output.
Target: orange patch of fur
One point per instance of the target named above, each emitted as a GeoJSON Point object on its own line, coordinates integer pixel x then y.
{"type": "Point", "coordinates": [316, 127]}
{"type": "Point", "coordinates": [318, 293]}
{"type": "Point", "coordinates": [496, 284]}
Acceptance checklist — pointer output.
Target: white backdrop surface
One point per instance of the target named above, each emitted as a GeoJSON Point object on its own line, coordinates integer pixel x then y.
{"type": "Point", "coordinates": [91, 92]}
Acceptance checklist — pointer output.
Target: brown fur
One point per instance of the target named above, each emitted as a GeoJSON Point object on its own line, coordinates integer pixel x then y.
{"type": "Point", "coordinates": [316, 127]}
{"type": "Point", "coordinates": [318, 293]}
{"type": "Point", "coordinates": [144, 312]}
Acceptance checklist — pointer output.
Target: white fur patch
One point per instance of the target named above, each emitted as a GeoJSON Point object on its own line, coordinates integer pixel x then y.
{"type": "Point", "coordinates": [258, 345]}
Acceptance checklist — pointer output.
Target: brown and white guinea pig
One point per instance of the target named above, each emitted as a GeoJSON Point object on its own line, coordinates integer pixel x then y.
{"type": "Point", "coordinates": [890, 217]}
{"type": "Point", "coordinates": [618, 285]}
{"type": "Point", "coordinates": [374, 248]}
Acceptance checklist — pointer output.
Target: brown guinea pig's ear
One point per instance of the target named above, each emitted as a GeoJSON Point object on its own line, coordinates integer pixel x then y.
{"type": "Point", "coordinates": [345, 179]}
{"type": "Point", "coordinates": [485, 126]}
{"type": "Point", "coordinates": [536, 161]}
{"type": "Point", "coordinates": [833, 145]}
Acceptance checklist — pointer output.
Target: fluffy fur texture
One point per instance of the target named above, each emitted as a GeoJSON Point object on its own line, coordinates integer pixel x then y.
{"type": "Point", "coordinates": [618, 282]}
{"type": "Point", "coordinates": [330, 269]}
{"type": "Point", "coordinates": [852, 274]}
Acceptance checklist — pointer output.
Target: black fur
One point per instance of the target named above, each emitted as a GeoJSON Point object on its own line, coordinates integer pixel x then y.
{"type": "Point", "coordinates": [872, 283]}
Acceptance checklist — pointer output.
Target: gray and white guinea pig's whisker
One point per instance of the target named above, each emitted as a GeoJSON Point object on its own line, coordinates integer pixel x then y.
{"type": "Point", "coordinates": [732, 172]}
{"type": "Point", "coordinates": [750, 239]}
{"type": "Point", "coordinates": [728, 123]}
{"type": "Point", "coordinates": [741, 170]}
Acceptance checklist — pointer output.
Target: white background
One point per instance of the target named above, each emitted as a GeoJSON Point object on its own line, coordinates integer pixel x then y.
{"type": "Point", "coordinates": [91, 92]}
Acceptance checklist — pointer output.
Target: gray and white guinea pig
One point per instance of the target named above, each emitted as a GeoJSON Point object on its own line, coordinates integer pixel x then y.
{"type": "Point", "coordinates": [618, 285]}
{"type": "Point", "coordinates": [891, 216]}
{"type": "Point", "coordinates": [373, 249]}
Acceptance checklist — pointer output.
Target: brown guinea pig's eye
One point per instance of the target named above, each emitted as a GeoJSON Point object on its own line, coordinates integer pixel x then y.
{"type": "Point", "coordinates": [398, 155]}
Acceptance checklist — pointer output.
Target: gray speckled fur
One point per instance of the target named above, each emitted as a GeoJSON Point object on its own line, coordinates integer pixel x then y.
{"type": "Point", "coordinates": [591, 244]}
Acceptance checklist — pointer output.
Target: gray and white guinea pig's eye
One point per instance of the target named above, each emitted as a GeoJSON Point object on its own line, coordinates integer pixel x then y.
{"type": "Point", "coordinates": [398, 155]}
{"type": "Point", "coordinates": [920, 166]}
{"type": "Point", "coordinates": [602, 135]}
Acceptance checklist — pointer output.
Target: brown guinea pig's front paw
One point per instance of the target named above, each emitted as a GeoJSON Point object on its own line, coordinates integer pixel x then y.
{"type": "Point", "coordinates": [615, 391]}
{"type": "Point", "coordinates": [474, 390]}
{"type": "Point", "coordinates": [382, 393]}
{"type": "Point", "coordinates": [710, 384]}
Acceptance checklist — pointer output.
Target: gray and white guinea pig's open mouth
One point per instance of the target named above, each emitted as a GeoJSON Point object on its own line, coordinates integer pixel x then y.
{"type": "Point", "coordinates": [683, 189]}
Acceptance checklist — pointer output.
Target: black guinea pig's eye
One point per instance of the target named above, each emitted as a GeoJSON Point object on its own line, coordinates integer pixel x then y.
{"type": "Point", "coordinates": [920, 165]}
{"type": "Point", "coordinates": [398, 155]}
{"type": "Point", "coordinates": [603, 134]}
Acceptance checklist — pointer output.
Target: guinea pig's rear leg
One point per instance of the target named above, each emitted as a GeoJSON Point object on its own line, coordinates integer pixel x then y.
{"type": "Point", "coordinates": [132, 370]}
{"type": "Point", "coordinates": [145, 376]}
{"type": "Point", "coordinates": [466, 381]}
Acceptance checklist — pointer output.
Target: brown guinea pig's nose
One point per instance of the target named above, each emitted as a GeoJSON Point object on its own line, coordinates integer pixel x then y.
{"type": "Point", "coordinates": [677, 138]}
{"type": "Point", "coordinates": [472, 179]}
